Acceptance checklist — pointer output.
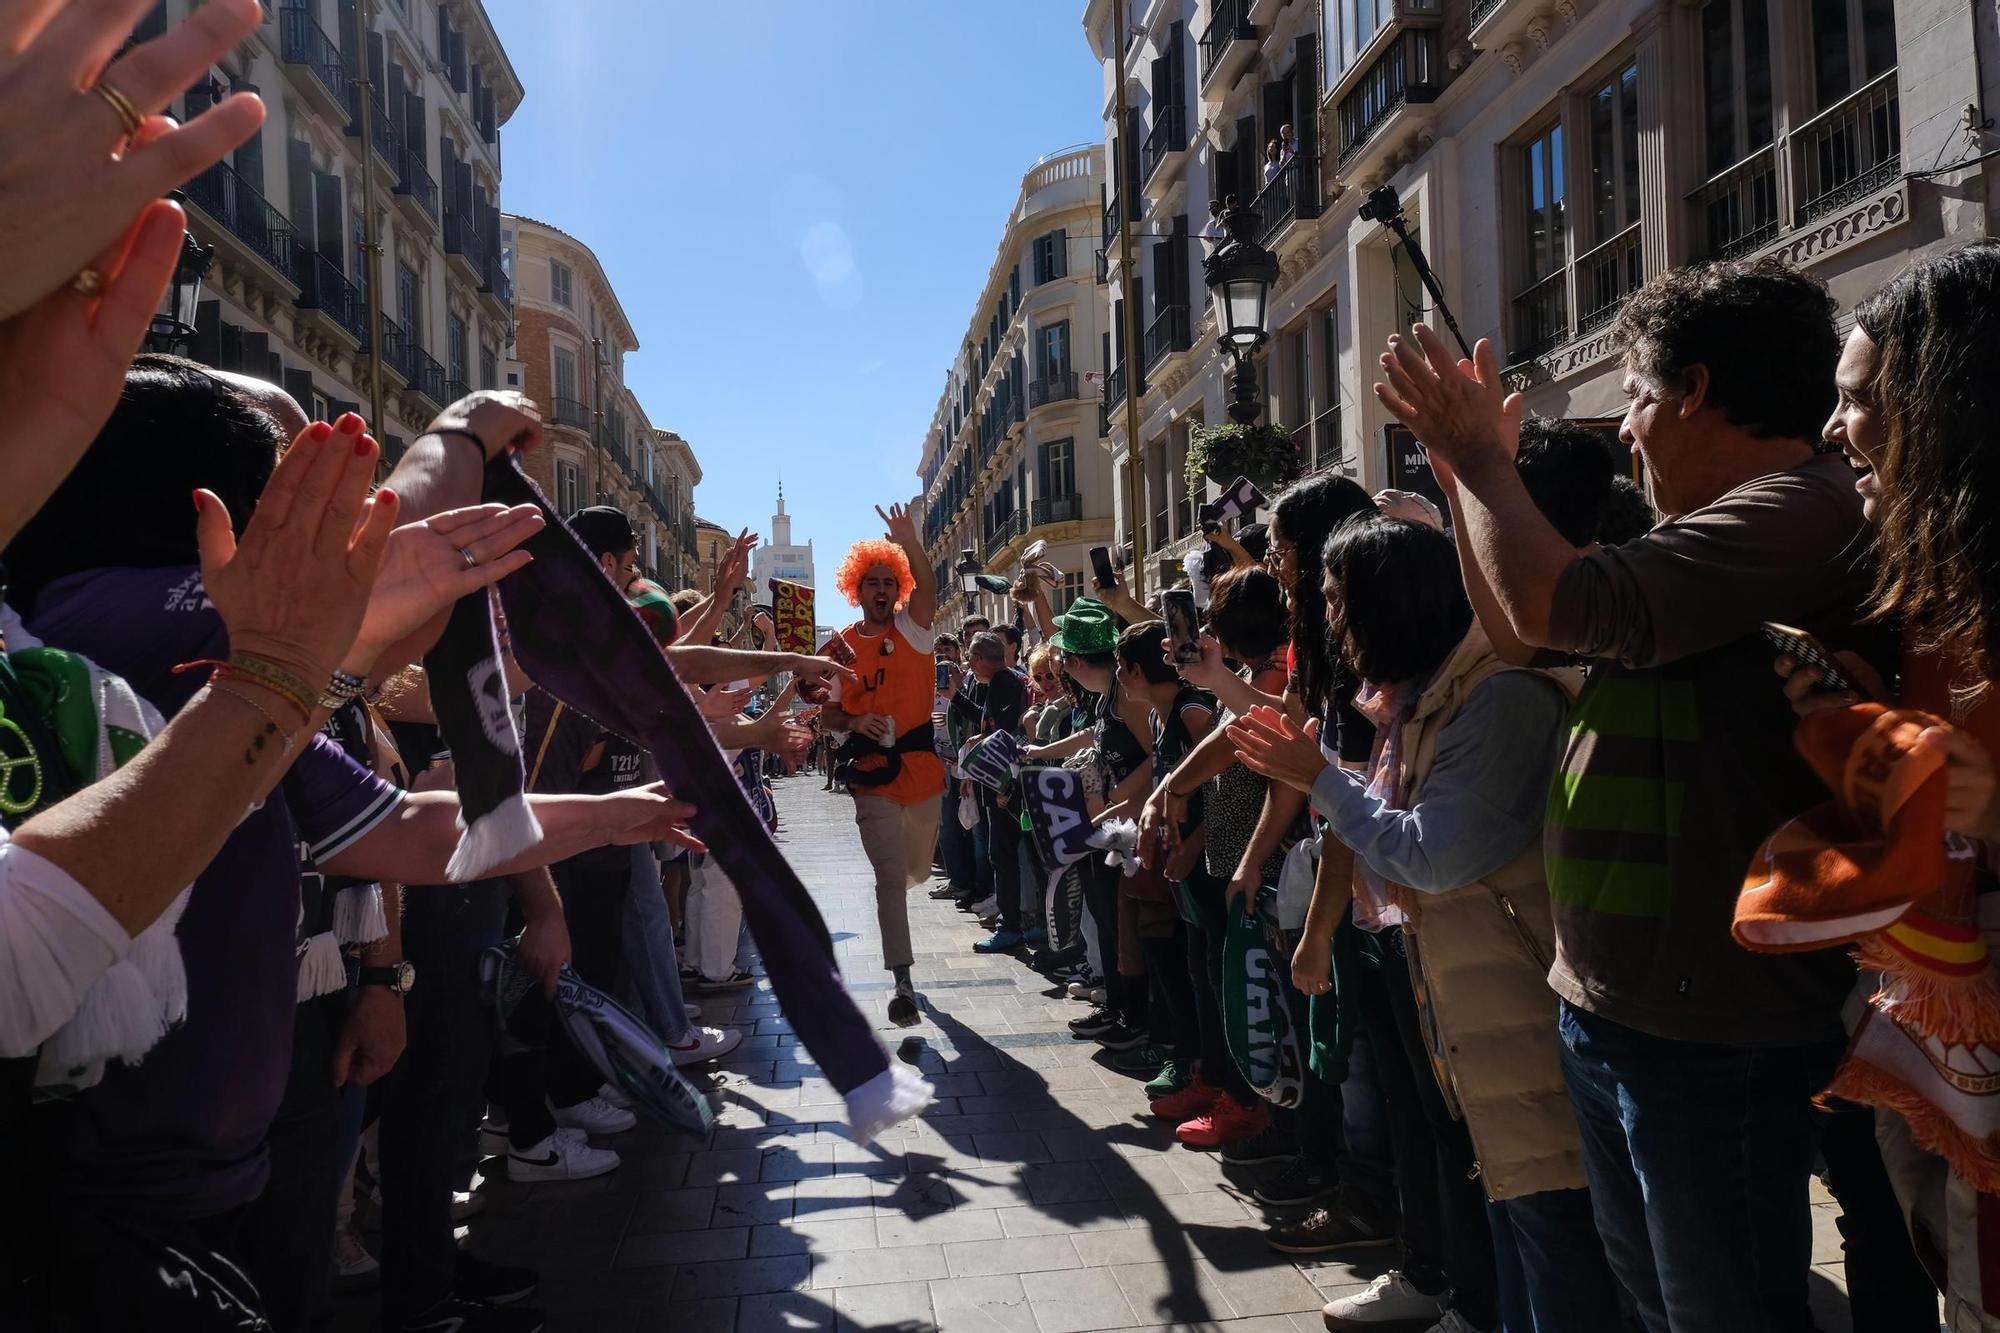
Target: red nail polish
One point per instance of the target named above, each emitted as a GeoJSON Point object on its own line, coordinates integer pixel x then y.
{"type": "Point", "coordinates": [319, 432]}
{"type": "Point", "coordinates": [197, 502]}
{"type": "Point", "coordinates": [350, 424]}
{"type": "Point", "coordinates": [362, 444]}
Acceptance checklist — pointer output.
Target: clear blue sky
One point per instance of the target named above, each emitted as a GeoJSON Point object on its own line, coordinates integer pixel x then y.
{"type": "Point", "coordinates": [797, 203]}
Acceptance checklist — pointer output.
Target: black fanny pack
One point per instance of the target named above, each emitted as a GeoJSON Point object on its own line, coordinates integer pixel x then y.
{"type": "Point", "coordinates": [859, 747]}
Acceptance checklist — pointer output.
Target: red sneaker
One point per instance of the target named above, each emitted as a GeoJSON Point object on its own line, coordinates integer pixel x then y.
{"type": "Point", "coordinates": [1197, 1098]}
{"type": "Point", "coordinates": [1228, 1119]}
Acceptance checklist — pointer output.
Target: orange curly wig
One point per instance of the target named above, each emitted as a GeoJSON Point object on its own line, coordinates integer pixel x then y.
{"type": "Point", "coordinates": [864, 556]}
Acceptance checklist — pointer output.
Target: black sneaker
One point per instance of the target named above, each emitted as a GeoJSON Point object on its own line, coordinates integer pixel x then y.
{"type": "Point", "coordinates": [1120, 1036]}
{"type": "Point", "coordinates": [903, 1011]}
{"type": "Point", "coordinates": [1299, 1182]}
{"type": "Point", "coordinates": [1097, 1020]}
{"type": "Point", "coordinates": [1269, 1144]}
{"type": "Point", "coordinates": [1337, 1226]}
{"type": "Point", "coordinates": [453, 1315]}
{"type": "Point", "coordinates": [495, 1284]}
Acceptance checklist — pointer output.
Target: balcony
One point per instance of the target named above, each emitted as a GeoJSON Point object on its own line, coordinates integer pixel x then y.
{"type": "Point", "coordinates": [428, 376]}
{"type": "Point", "coordinates": [413, 180]}
{"type": "Point", "coordinates": [1319, 443]}
{"type": "Point", "coordinates": [1058, 509]}
{"type": "Point", "coordinates": [495, 283]}
{"type": "Point", "coordinates": [1291, 195]}
{"type": "Point", "coordinates": [1166, 149]}
{"type": "Point", "coordinates": [383, 134]}
{"type": "Point", "coordinates": [1847, 152]}
{"type": "Point", "coordinates": [1006, 530]}
{"type": "Point", "coordinates": [1229, 44]}
{"type": "Point", "coordinates": [303, 43]}
{"type": "Point", "coordinates": [399, 349]}
{"type": "Point", "coordinates": [570, 412]}
{"type": "Point", "coordinates": [1407, 73]}
{"type": "Point", "coordinates": [1606, 276]}
{"type": "Point", "coordinates": [455, 390]}
{"type": "Point", "coordinates": [1171, 331]}
{"type": "Point", "coordinates": [463, 243]}
{"type": "Point", "coordinates": [1103, 261]}
{"type": "Point", "coordinates": [1055, 389]}
{"type": "Point", "coordinates": [1541, 317]}
{"type": "Point", "coordinates": [324, 289]}
{"type": "Point", "coordinates": [247, 219]}
{"type": "Point", "coordinates": [1739, 207]}
{"type": "Point", "coordinates": [1113, 208]}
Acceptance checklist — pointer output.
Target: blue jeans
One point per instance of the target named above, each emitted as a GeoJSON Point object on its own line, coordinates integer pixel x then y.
{"type": "Point", "coordinates": [1698, 1157]}
{"type": "Point", "coordinates": [956, 840]}
{"type": "Point", "coordinates": [651, 972]}
{"type": "Point", "coordinates": [1367, 1161]}
{"type": "Point", "coordinates": [1552, 1272]}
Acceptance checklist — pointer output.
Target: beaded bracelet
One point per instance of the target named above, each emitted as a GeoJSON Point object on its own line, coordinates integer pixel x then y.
{"type": "Point", "coordinates": [342, 689]}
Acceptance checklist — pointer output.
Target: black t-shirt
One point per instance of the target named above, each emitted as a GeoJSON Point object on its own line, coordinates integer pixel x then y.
{"type": "Point", "coordinates": [1006, 699]}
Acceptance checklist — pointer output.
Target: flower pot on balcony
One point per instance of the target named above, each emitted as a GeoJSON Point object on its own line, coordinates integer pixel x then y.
{"type": "Point", "coordinates": [1263, 453]}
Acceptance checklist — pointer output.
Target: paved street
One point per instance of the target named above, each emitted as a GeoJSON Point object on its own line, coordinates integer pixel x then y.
{"type": "Point", "coordinates": [1036, 1196]}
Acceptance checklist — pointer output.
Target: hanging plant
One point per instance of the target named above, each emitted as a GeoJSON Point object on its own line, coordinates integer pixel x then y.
{"type": "Point", "coordinates": [1264, 453]}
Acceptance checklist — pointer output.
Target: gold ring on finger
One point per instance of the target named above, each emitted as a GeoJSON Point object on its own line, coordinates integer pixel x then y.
{"type": "Point", "coordinates": [128, 113]}
{"type": "Point", "coordinates": [87, 282]}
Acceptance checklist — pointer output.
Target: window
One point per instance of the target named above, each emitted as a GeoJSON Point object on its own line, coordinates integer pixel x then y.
{"type": "Point", "coordinates": [1736, 80]}
{"type": "Point", "coordinates": [1542, 309]}
{"type": "Point", "coordinates": [1055, 469]}
{"type": "Point", "coordinates": [565, 376]}
{"type": "Point", "coordinates": [455, 346]}
{"type": "Point", "coordinates": [489, 374]}
{"type": "Point", "coordinates": [1069, 591]}
{"type": "Point", "coordinates": [1853, 43]}
{"type": "Point", "coordinates": [1297, 412]}
{"type": "Point", "coordinates": [1013, 291]}
{"type": "Point", "coordinates": [1614, 154]}
{"type": "Point", "coordinates": [559, 284]}
{"type": "Point", "coordinates": [1052, 351]}
{"type": "Point", "coordinates": [569, 487]}
{"type": "Point", "coordinates": [1051, 256]}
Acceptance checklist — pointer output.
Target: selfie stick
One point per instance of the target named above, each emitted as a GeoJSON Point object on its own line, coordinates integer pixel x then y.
{"type": "Point", "coordinates": [1382, 206]}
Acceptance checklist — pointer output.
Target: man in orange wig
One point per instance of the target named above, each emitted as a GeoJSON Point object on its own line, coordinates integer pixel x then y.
{"type": "Point", "coordinates": [889, 762]}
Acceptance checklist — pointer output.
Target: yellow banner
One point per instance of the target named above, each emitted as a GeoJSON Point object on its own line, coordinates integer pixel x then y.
{"type": "Point", "coordinates": [792, 608]}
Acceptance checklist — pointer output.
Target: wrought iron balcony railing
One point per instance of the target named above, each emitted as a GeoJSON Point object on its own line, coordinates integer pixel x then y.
{"type": "Point", "coordinates": [570, 412]}
{"type": "Point", "coordinates": [1170, 331]}
{"type": "Point", "coordinates": [303, 42]}
{"type": "Point", "coordinates": [1229, 21]}
{"type": "Point", "coordinates": [1739, 207]}
{"type": "Point", "coordinates": [1058, 509]}
{"type": "Point", "coordinates": [323, 287]}
{"type": "Point", "coordinates": [1054, 389]}
{"type": "Point", "coordinates": [1848, 151]}
{"type": "Point", "coordinates": [245, 214]}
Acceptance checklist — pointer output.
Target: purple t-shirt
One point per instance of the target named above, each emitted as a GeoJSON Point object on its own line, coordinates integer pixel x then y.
{"type": "Point", "coordinates": [182, 1134]}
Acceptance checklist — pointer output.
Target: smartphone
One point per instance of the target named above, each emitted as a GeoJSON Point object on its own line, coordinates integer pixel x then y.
{"type": "Point", "coordinates": [1177, 608]}
{"type": "Point", "coordinates": [943, 677]}
{"type": "Point", "coordinates": [1809, 651]}
{"type": "Point", "coordinates": [1100, 567]}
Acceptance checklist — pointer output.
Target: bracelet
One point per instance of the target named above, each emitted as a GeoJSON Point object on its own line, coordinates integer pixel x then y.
{"type": "Point", "coordinates": [460, 430]}
{"type": "Point", "coordinates": [268, 674]}
{"type": "Point", "coordinates": [271, 727]}
{"type": "Point", "coordinates": [341, 689]}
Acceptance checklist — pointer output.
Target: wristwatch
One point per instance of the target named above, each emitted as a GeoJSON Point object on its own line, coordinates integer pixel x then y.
{"type": "Point", "coordinates": [398, 977]}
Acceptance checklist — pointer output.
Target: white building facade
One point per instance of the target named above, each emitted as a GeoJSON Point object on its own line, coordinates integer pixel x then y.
{"type": "Point", "coordinates": [779, 557]}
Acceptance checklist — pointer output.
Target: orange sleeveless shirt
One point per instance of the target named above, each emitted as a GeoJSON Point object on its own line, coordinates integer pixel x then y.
{"type": "Point", "coordinates": [899, 681]}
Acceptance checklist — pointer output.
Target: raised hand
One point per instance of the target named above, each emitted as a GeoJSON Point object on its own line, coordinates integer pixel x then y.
{"type": "Point", "coordinates": [1459, 409]}
{"type": "Point", "coordinates": [818, 669]}
{"type": "Point", "coordinates": [63, 361]}
{"type": "Point", "coordinates": [1270, 743]}
{"type": "Point", "coordinates": [75, 174]}
{"type": "Point", "coordinates": [901, 522]}
{"type": "Point", "coordinates": [294, 588]}
{"type": "Point", "coordinates": [735, 566]}
{"type": "Point", "coordinates": [499, 419]}
{"type": "Point", "coordinates": [720, 705]}
{"type": "Point", "coordinates": [426, 569]}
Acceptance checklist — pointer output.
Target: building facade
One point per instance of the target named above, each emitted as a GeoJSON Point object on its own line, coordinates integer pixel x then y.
{"type": "Point", "coordinates": [1550, 157]}
{"type": "Point", "coordinates": [287, 214]}
{"type": "Point", "coordinates": [1008, 460]}
{"type": "Point", "coordinates": [571, 338]}
{"type": "Point", "coordinates": [712, 542]}
{"type": "Point", "coordinates": [779, 557]}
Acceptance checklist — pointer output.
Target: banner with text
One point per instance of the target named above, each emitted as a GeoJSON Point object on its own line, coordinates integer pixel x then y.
{"type": "Point", "coordinates": [792, 608]}
{"type": "Point", "coordinates": [1057, 814]}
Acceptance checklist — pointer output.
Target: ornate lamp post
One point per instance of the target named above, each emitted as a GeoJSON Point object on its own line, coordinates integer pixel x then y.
{"type": "Point", "coordinates": [1239, 274]}
{"type": "Point", "coordinates": [173, 324]}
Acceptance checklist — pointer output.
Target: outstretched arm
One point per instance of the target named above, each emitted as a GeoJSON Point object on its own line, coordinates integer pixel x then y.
{"type": "Point", "coordinates": [902, 521]}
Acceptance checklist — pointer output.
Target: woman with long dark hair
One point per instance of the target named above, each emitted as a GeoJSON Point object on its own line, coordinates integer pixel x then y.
{"type": "Point", "coordinates": [1445, 828]}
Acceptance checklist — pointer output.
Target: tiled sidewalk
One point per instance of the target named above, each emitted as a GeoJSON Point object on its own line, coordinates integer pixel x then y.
{"type": "Point", "coordinates": [1036, 1196]}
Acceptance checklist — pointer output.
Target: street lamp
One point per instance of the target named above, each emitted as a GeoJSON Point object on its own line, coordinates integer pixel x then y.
{"type": "Point", "coordinates": [1239, 274]}
{"type": "Point", "coordinates": [968, 571]}
{"type": "Point", "coordinates": [174, 324]}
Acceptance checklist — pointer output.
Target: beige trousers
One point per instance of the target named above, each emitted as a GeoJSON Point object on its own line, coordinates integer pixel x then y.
{"type": "Point", "coordinates": [898, 840]}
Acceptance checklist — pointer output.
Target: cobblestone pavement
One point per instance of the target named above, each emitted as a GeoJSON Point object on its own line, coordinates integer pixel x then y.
{"type": "Point", "coordinates": [1036, 1196]}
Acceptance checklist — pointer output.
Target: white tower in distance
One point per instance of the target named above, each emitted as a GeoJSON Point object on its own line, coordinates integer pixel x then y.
{"type": "Point", "coordinates": [778, 557]}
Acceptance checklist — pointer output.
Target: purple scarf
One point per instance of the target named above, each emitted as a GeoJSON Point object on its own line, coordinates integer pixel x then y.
{"type": "Point", "coordinates": [576, 636]}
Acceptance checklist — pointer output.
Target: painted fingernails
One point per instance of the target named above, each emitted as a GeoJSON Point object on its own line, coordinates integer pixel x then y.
{"type": "Point", "coordinates": [350, 424]}
{"type": "Point", "coordinates": [319, 432]}
{"type": "Point", "coordinates": [362, 445]}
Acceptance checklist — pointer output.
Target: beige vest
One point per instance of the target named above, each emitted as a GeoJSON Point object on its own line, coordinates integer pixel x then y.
{"type": "Point", "coordinates": [1480, 962]}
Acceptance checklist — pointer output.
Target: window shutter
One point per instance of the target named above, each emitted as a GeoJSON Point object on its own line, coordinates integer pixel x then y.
{"type": "Point", "coordinates": [350, 42]}
{"type": "Point", "coordinates": [378, 59]}
{"type": "Point", "coordinates": [1059, 253]}
{"type": "Point", "coordinates": [398, 90]}
{"type": "Point", "coordinates": [230, 356]}
{"type": "Point", "coordinates": [1249, 152]}
{"type": "Point", "coordinates": [414, 138]}
{"type": "Point", "coordinates": [444, 34]}
{"type": "Point", "coordinates": [248, 159]}
{"type": "Point", "coordinates": [332, 219]}
{"type": "Point", "coordinates": [299, 191]}
{"type": "Point", "coordinates": [206, 344]}
{"type": "Point", "coordinates": [1177, 62]}
{"type": "Point", "coordinates": [299, 384]}
{"type": "Point", "coordinates": [1305, 117]}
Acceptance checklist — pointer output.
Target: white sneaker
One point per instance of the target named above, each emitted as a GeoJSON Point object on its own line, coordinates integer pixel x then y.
{"type": "Point", "coordinates": [986, 906]}
{"type": "Point", "coordinates": [1453, 1322]}
{"type": "Point", "coordinates": [1388, 1300]}
{"type": "Point", "coordinates": [703, 1044]}
{"type": "Point", "coordinates": [1085, 983]}
{"type": "Point", "coordinates": [493, 1140]}
{"type": "Point", "coordinates": [563, 1155]}
{"type": "Point", "coordinates": [594, 1115]}
{"type": "Point", "coordinates": [466, 1206]}
{"type": "Point", "coordinates": [607, 1093]}
{"type": "Point", "coordinates": [354, 1269]}
{"type": "Point", "coordinates": [693, 1010]}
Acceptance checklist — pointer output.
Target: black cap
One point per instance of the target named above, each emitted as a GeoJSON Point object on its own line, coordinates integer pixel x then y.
{"type": "Point", "coordinates": [603, 530]}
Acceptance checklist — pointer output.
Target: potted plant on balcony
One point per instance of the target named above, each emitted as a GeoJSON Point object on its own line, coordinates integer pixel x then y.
{"type": "Point", "coordinates": [1263, 453]}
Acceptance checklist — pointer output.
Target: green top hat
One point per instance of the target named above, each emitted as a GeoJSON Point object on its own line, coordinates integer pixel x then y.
{"type": "Point", "coordinates": [1087, 629]}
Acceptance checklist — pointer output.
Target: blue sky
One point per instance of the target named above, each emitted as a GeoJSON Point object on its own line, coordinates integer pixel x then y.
{"type": "Point", "coordinates": [797, 202]}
